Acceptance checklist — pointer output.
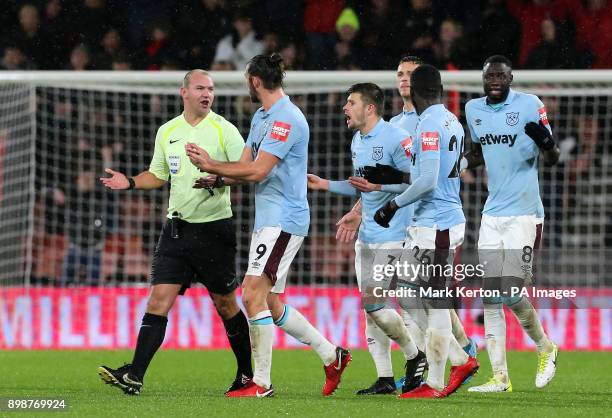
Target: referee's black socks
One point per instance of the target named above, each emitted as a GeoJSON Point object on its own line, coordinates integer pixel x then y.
{"type": "Point", "coordinates": [237, 330]}
{"type": "Point", "coordinates": [150, 338]}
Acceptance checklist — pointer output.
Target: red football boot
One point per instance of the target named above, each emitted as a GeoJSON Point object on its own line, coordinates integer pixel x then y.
{"type": "Point", "coordinates": [334, 371]}
{"type": "Point", "coordinates": [458, 374]}
{"type": "Point", "coordinates": [251, 390]}
{"type": "Point", "coordinates": [422, 392]}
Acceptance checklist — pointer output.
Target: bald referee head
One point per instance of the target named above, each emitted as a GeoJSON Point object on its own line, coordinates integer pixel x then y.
{"type": "Point", "coordinates": [425, 87]}
{"type": "Point", "coordinates": [198, 93]}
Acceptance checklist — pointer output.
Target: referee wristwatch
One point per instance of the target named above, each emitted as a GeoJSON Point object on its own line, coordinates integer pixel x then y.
{"type": "Point", "coordinates": [132, 183]}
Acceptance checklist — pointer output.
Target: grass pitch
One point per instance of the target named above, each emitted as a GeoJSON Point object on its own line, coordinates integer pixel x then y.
{"type": "Point", "coordinates": [191, 383]}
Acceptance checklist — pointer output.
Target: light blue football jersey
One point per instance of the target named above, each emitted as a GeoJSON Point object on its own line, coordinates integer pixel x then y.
{"type": "Point", "coordinates": [408, 122]}
{"type": "Point", "coordinates": [439, 136]}
{"type": "Point", "coordinates": [383, 145]}
{"type": "Point", "coordinates": [280, 199]}
{"type": "Point", "coordinates": [511, 156]}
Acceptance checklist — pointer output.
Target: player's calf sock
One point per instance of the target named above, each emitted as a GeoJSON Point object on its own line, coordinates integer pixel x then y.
{"type": "Point", "coordinates": [437, 347]}
{"type": "Point", "coordinates": [458, 331]}
{"type": "Point", "coordinates": [495, 336]}
{"type": "Point", "coordinates": [379, 346]}
{"type": "Point", "coordinates": [529, 320]}
{"type": "Point", "coordinates": [261, 329]}
{"type": "Point", "coordinates": [415, 321]}
{"type": "Point", "coordinates": [294, 324]}
{"type": "Point", "coordinates": [390, 322]}
{"type": "Point", "coordinates": [150, 338]}
{"type": "Point", "coordinates": [456, 355]}
{"type": "Point", "coordinates": [237, 330]}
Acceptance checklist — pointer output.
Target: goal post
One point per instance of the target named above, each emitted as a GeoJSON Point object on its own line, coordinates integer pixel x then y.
{"type": "Point", "coordinates": [59, 130]}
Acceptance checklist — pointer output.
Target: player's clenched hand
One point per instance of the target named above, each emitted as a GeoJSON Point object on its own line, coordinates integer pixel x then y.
{"type": "Point", "coordinates": [348, 226]}
{"type": "Point", "coordinates": [212, 180]}
{"type": "Point", "coordinates": [383, 174]}
{"type": "Point", "coordinates": [540, 135]}
{"type": "Point", "coordinates": [117, 181]}
{"type": "Point", "coordinates": [317, 183]}
{"type": "Point", "coordinates": [198, 156]}
{"type": "Point", "coordinates": [384, 214]}
{"type": "Point", "coordinates": [362, 184]}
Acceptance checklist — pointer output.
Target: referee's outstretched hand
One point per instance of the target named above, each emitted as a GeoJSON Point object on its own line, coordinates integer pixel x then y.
{"type": "Point", "coordinates": [117, 181]}
{"type": "Point", "coordinates": [212, 180]}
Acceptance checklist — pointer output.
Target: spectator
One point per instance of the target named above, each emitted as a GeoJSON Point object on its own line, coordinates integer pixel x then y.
{"type": "Point", "coordinates": [421, 27]}
{"type": "Point", "coordinates": [121, 62]}
{"type": "Point", "coordinates": [111, 46]}
{"type": "Point", "coordinates": [594, 30]}
{"type": "Point", "coordinates": [451, 49]}
{"type": "Point", "coordinates": [381, 27]}
{"type": "Point", "coordinates": [79, 58]}
{"type": "Point", "coordinates": [59, 35]}
{"type": "Point", "coordinates": [237, 48]}
{"type": "Point", "coordinates": [291, 56]}
{"type": "Point", "coordinates": [94, 20]}
{"type": "Point", "coordinates": [531, 14]}
{"type": "Point", "coordinates": [502, 32]}
{"type": "Point", "coordinates": [161, 47]}
{"type": "Point", "coordinates": [28, 36]}
{"type": "Point", "coordinates": [320, 18]}
{"type": "Point", "coordinates": [200, 39]}
{"type": "Point", "coordinates": [271, 42]}
{"type": "Point", "coordinates": [14, 60]}
{"type": "Point", "coordinates": [550, 53]}
{"type": "Point", "coordinates": [86, 202]}
{"type": "Point", "coordinates": [348, 28]}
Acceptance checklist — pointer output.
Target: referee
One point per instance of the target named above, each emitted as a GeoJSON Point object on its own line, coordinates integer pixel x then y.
{"type": "Point", "coordinates": [198, 241]}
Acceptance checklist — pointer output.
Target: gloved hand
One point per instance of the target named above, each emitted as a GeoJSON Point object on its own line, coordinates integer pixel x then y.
{"type": "Point", "coordinates": [540, 135]}
{"type": "Point", "coordinates": [384, 174]}
{"type": "Point", "coordinates": [384, 214]}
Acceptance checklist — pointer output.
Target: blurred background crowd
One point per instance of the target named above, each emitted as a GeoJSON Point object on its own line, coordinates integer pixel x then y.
{"type": "Point", "coordinates": [310, 34]}
{"type": "Point", "coordinates": [83, 234]}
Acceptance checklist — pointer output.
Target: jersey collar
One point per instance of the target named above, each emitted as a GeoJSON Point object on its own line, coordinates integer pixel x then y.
{"type": "Point", "coordinates": [431, 109]}
{"type": "Point", "coordinates": [406, 113]}
{"type": "Point", "coordinates": [279, 103]}
{"type": "Point", "coordinates": [375, 131]}
{"type": "Point", "coordinates": [200, 124]}
{"type": "Point", "coordinates": [507, 102]}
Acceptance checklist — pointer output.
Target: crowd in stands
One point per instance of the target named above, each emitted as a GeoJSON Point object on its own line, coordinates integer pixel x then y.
{"type": "Point", "coordinates": [83, 233]}
{"type": "Point", "coordinates": [310, 34]}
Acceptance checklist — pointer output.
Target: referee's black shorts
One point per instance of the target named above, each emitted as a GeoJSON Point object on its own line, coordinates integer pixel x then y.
{"type": "Point", "coordinates": [205, 253]}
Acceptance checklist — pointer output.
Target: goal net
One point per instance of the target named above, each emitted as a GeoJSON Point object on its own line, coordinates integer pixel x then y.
{"type": "Point", "coordinates": [75, 258]}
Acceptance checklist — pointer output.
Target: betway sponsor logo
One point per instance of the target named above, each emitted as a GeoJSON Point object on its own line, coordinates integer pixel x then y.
{"type": "Point", "coordinates": [490, 139]}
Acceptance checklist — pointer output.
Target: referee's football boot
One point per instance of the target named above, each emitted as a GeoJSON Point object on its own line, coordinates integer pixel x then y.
{"type": "Point", "coordinates": [239, 382]}
{"type": "Point", "coordinates": [334, 371]}
{"type": "Point", "coordinates": [382, 386]}
{"type": "Point", "coordinates": [415, 369]}
{"type": "Point", "coordinates": [121, 378]}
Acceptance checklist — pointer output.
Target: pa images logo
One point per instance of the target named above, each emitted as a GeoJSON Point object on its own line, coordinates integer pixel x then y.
{"type": "Point", "coordinates": [512, 118]}
{"type": "Point", "coordinates": [377, 153]}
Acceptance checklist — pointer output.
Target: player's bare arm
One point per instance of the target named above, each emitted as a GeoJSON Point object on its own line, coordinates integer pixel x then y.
{"type": "Point", "coordinates": [317, 183]}
{"type": "Point", "coordinates": [215, 181]}
{"type": "Point", "coordinates": [250, 171]}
